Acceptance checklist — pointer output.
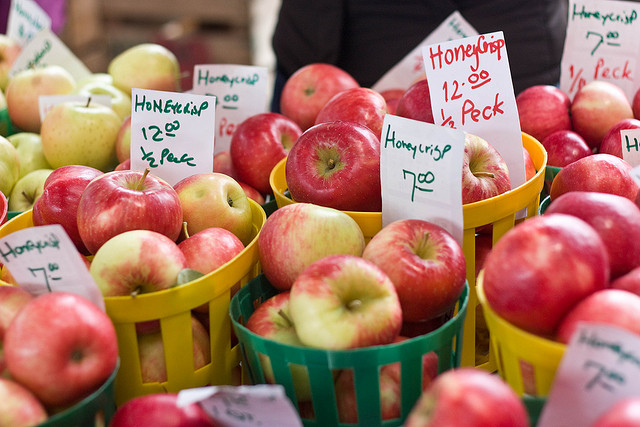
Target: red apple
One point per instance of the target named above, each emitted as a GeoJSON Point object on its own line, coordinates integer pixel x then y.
{"type": "Point", "coordinates": [624, 413]}
{"type": "Point", "coordinates": [361, 105]}
{"type": "Point", "coordinates": [392, 96]}
{"type": "Point", "coordinates": [424, 262]}
{"type": "Point", "coordinates": [222, 163]}
{"type": "Point", "coordinates": [123, 140]}
{"type": "Point", "coordinates": [484, 171]}
{"type": "Point", "coordinates": [62, 347]}
{"type": "Point", "coordinates": [160, 410]}
{"type": "Point", "coordinates": [415, 329]}
{"type": "Point", "coordinates": [252, 193]}
{"type": "Point", "coordinates": [12, 299]}
{"type": "Point", "coordinates": [307, 90]}
{"type": "Point", "coordinates": [258, 144]}
{"type": "Point", "coordinates": [612, 141]}
{"type": "Point", "coordinates": [126, 200]}
{"type": "Point", "coordinates": [543, 109]}
{"type": "Point", "coordinates": [415, 103]}
{"type": "Point", "coordinates": [635, 104]}
{"type": "Point", "coordinates": [124, 165]}
{"type": "Point", "coordinates": [529, 166]}
{"type": "Point", "coordinates": [19, 407]}
{"type": "Point", "coordinates": [564, 147]}
{"type": "Point", "coordinates": [484, 243]}
{"type": "Point", "coordinates": [541, 268]}
{"type": "Point", "coordinates": [209, 249]}
{"type": "Point", "coordinates": [336, 164]}
{"type": "Point", "coordinates": [628, 282]}
{"type": "Point", "coordinates": [596, 107]}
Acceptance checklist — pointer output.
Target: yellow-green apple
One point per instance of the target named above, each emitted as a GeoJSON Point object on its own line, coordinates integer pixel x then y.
{"type": "Point", "coordinates": [62, 347]}
{"type": "Point", "coordinates": [336, 164]}
{"type": "Point", "coordinates": [298, 234]}
{"type": "Point", "coordinates": [359, 104]}
{"type": "Point", "coordinates": [596, 107]}
{"type": "Point", "coordinates": [615, 307]}
{"type": "Point", "coordinates": [26, 86]}
{"type": "Point", "coordinates": [28, 190]}
{"type": "Point", "coordinates": [59, 201]}
{"type": "Point", "coordinates": [95, 77]}
{"type": "Point", "coordinates": [81, 133]}
{"type": "Point", "coordinates": [213, 199]}
{"type": "Point", "coordinates": [425, 263]}
{"type": "Point", "coordinates": [612, 140]}
{"type": "Point", "coordinates": [542, 110]}
{"type": "Point", "coordinates": [145, 66]}
{"type": "Point", "coordinates": [601, 172]}
{"type": "Point", "coordinates": [209, 249]}
{"type": "Point", "coordinates": [159, 409]}
{"type": "Point", "coordinates": [541, 268]}
{"type": "Point", "coordinates": [9, 166]}
{"type": "Point", "coordinates": [258, 144]}
{"type": "Point", "coordinates": [123, 140]}
{"type": "Point", "coordinates": [222, 163]}
{"type": "Point", "coordinates": [564, 147]}
{"type": "Point", "coordinates": [307, 90]}
{"type": "Point", "coordinates": [19, 407]}
{"type": "Point", "coordinates": [120, 100]}
{"type": "Point", "coordinates": [615, 218]}
{"type": "Point", "coordinates": [625, 412]}
{"type": "Point", "coordinates": [136, 262]}
{"type": "Point", "coordinates": [392, 97]}
{"type": "Point", "coordinates": [452, 399]}
{"type": "Point", "coordinates": [415, 103]}
{"type": "Point", "coordinates": [484, 171]}
{"type": "Point", "coordinates": [341, 302]}
{"type": "Point", "coordinates": [29, 146]}
{"type": "Point", "coordinates": [12, 299]}
{"type": "Point", "coordinates": [9, 50]}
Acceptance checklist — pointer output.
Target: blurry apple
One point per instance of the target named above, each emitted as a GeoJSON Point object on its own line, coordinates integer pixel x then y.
{"type": "Point", "coordinates": [542, 110]}
{"type": "Point", "coordinates": [29, 147]}
{"type": "Point", "coordinates": [612, 141]}
{"type": "Point", "coordinates": [529, 166]}
{"type": "Point", "coordinates": [123, 140]}
{"type": "Point", "coordinates": [222, 163]}
{"type": "Point", "coordinates": [28, 189]}
{"type": "Point", "coordinates": [628, 282]}
{"type": "Point", "coordinates": [120, 101]}
{"type": "Point", "coordinates": [308, 89]}
{"type": "Point", "coordinates": [564, 147]}
{"type": "Point", "coordinates": [635, 104]}
{"type": "Point", "coordinates": [19, 407]}
{"type": "Point", "coordinates": [9, 166]}
{"type": "Point", "coordinates": [415, 103]}
{"type": "Point", "coordinates": [9, 51]}
{"type": "Point", "coordinates": [95, 77]}
{"type": "Point", "coordinates": [124, 165]}
{"type": "Point", "coordinates": [12, 299]}
{"type": "Point", "coordinates": [26, 86]}
{"type": "Point", "coordinates": [160, 410]}
{"type": "Point", "coordinates": [392, 97]}
{"type": "Point", "coordinates": [209, 249]}
{"type": "Point", "coordinates": [484, 171]}
{"type": "Point", "coordinates": [624, 413]}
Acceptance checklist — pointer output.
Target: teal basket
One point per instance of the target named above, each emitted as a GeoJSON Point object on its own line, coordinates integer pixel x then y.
{"type": "Point", "coordinates": [534, 407]}
{"type": "Point", "coordinates": [322, 365]}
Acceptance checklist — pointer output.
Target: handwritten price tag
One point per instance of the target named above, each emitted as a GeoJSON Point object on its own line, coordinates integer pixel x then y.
{"type": "Point", "coordinates": [600, 366]}
{"type": "Point", "coordinates": [172, 133]}
{"type": "Point", "coordinates": [26, 18]}
{"type": "Point", "coordinates": [47, 102]}
{"type": "Point", "coordinates": [420, 167]}
{"type": "Point", "coordinates": [601, 43]}
{"type": "Point", "coordinates": [43, 259]}
{"type": "Point", "coordinates": [629, 138]}
{"type": "Point", "coordinates": [257, 405]}
{"type": "Point", "coordinates": [240, 90]}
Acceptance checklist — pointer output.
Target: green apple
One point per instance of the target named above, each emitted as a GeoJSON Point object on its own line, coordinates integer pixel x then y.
{"type": "Point", "coordinates": [28, 189]}
{"type": "Point", "coordinates": [29, 146]}
{"type": "Point", "coordinates": [9, 51]}
{"type": "Point", "coordinates": [9, 166]}
{"type": "Point", "coordinates": [79, 133]}
{"type": "Point", "coordinates": [96, 77]}
{"type": "Point", "coordinates": [145, 66]}
{"type": "Point", "coordinates": [120, 101]}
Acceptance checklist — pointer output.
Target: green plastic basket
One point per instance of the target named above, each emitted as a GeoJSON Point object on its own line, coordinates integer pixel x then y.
{"type": "Point", "coordinates": [550, 173]}
{"type": "Point", "coordinates": [534, 405]}
{"type": "Point", "coordinates": [321, 365]}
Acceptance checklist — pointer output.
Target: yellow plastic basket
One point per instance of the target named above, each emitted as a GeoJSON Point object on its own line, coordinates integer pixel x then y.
{"type": "Point", "coordinates": [525, 361]}
{"type": "Point", "coordinates": [172, 307]}
{"type": "Point", "coordinates": [499, 211]}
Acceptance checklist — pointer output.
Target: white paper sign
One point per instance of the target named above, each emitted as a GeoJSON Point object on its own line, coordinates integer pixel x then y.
{"type": "Point", "coordinates": [240, 90]}
{"type": "Point", "coordinates": [44, 259]}
{"type": "Point", "coordinates": [45, 48]}
{"type": "Point", "coordinates": [26, 19]}
{"type": "Point", "coordinates": [630, 138]}
{"type": "Point", "coordinates": [420, 173]}
{"type": "Point", "coordinates": [470, 89]}
{"type": "Point", "coordinates": [411, 68]}
{"type": "Point", "coordinates": [601, 43]}
{"type": "Point", "coordinates": [172, 133]}
{"type": "Point", "coordinates": [256, 405]}
{"type": "Point", "coordinates": [47, 102]}
{"type": "Point", "coordinates": [600, 366]}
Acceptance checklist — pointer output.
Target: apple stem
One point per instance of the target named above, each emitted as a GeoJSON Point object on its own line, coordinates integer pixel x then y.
{"type": "Point", "coordinates": [140, 182]}
{"type": "Point", "coordinates": [483, 174]}
{"type": "Point", "coordinates": [285, 317]}
{"type": "Point", "coordinates": [354, 304]}
{"type": "Point", "coordinates": [331, 163]}
{"type": "Point", "coordinates": [184, 230]}
{"type": "Point", "coordinates": [135, 292]}
{"type": "Point", "coordinates": [88, 102]}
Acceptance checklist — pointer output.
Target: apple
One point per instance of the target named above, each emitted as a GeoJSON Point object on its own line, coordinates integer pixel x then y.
{"type": "Point", "coordinates": [336, 164]}
{"type": "Point", "coordinates": [415, 103]}
{"type": "Point", "coordinates": [58, 203]}
{"type": "Point", "coordinates": [454, 396]}
{"type": "Point", "coordinates": [222, 163]}
{"type": "Point", "coordinates": [209, 249]}
{"type": "Point", "coordinates": [392, 97]}
{"type": "Point", "coordinates": [9, 166]}
{"type": "Point", "coordinates": [596, 107]}
{"type": "Point", "coordinates": [635, 104]}
{"type": "Point", "coordinates": [10, 49]}
{"type": "Point", "coordinates": [70, 127]}
{"type": "Point", "coordinates": [28, 189]}
{"type": "Point", "coordinates": [215, 200]}
{"type": "Point", "coordinates": [145, 66]}
{"type": "Point", "coordinates": [120, 100]}
{"type": "Point", "coordinates": [542, 110]}
{"type": "Point", "coordinates": [258, 144]}
{"type": "Point", "coordinates": [541, 268]}
{"type": "Point", "coordinates": [124, 165]}
{"type": "Point", "coordinates": [26, 86]}
{"type": "Point", "coordinates": [62, 347]}
{"type": "Point", "coordinates": [341, 302]}
{"type": "Point", "coordinates": [296, 235]}
{"type": "Point", "coordinates": [119, 201]}
{"type": "Point", "coordinates": [628, 282]}
{"type": "Point", "coordinates": [425, 263]}
{"type": "Point", "coordinates": [601, 172]}
{"type": "Point", "coordinates": [123, 140]}
{"type": "Point", "coordinates": [564, 147]}
{"type": "Point", "coordinates": [252, 193]}
{"type": "Point", "coordinates": [612, 141]}
{"type": "Point", "coordinates": [136, 262]}
{"type": "Point", "coordinates": [615, 307]}
{"type": "Point", "coordinates": [615, 218]}
{"type": "Point", "coordinates": [484, 171]}
{"type": "Point", "coordinates": [625, 412]}
{"type": "Point", "coordinates": [160, 410]}
{"type": "Point", "coordinates": [308, 89]}
{"type": "Point", "coordinates": [12, 299]}
{"type": "Point", "coordinates": [359, 104]}
{"type": "Point", "coordinates": [19, 407]}
{"type": "Point", "coordinates": [29, 147]}
{"type": "Point", "coordinates": [529, 166]}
